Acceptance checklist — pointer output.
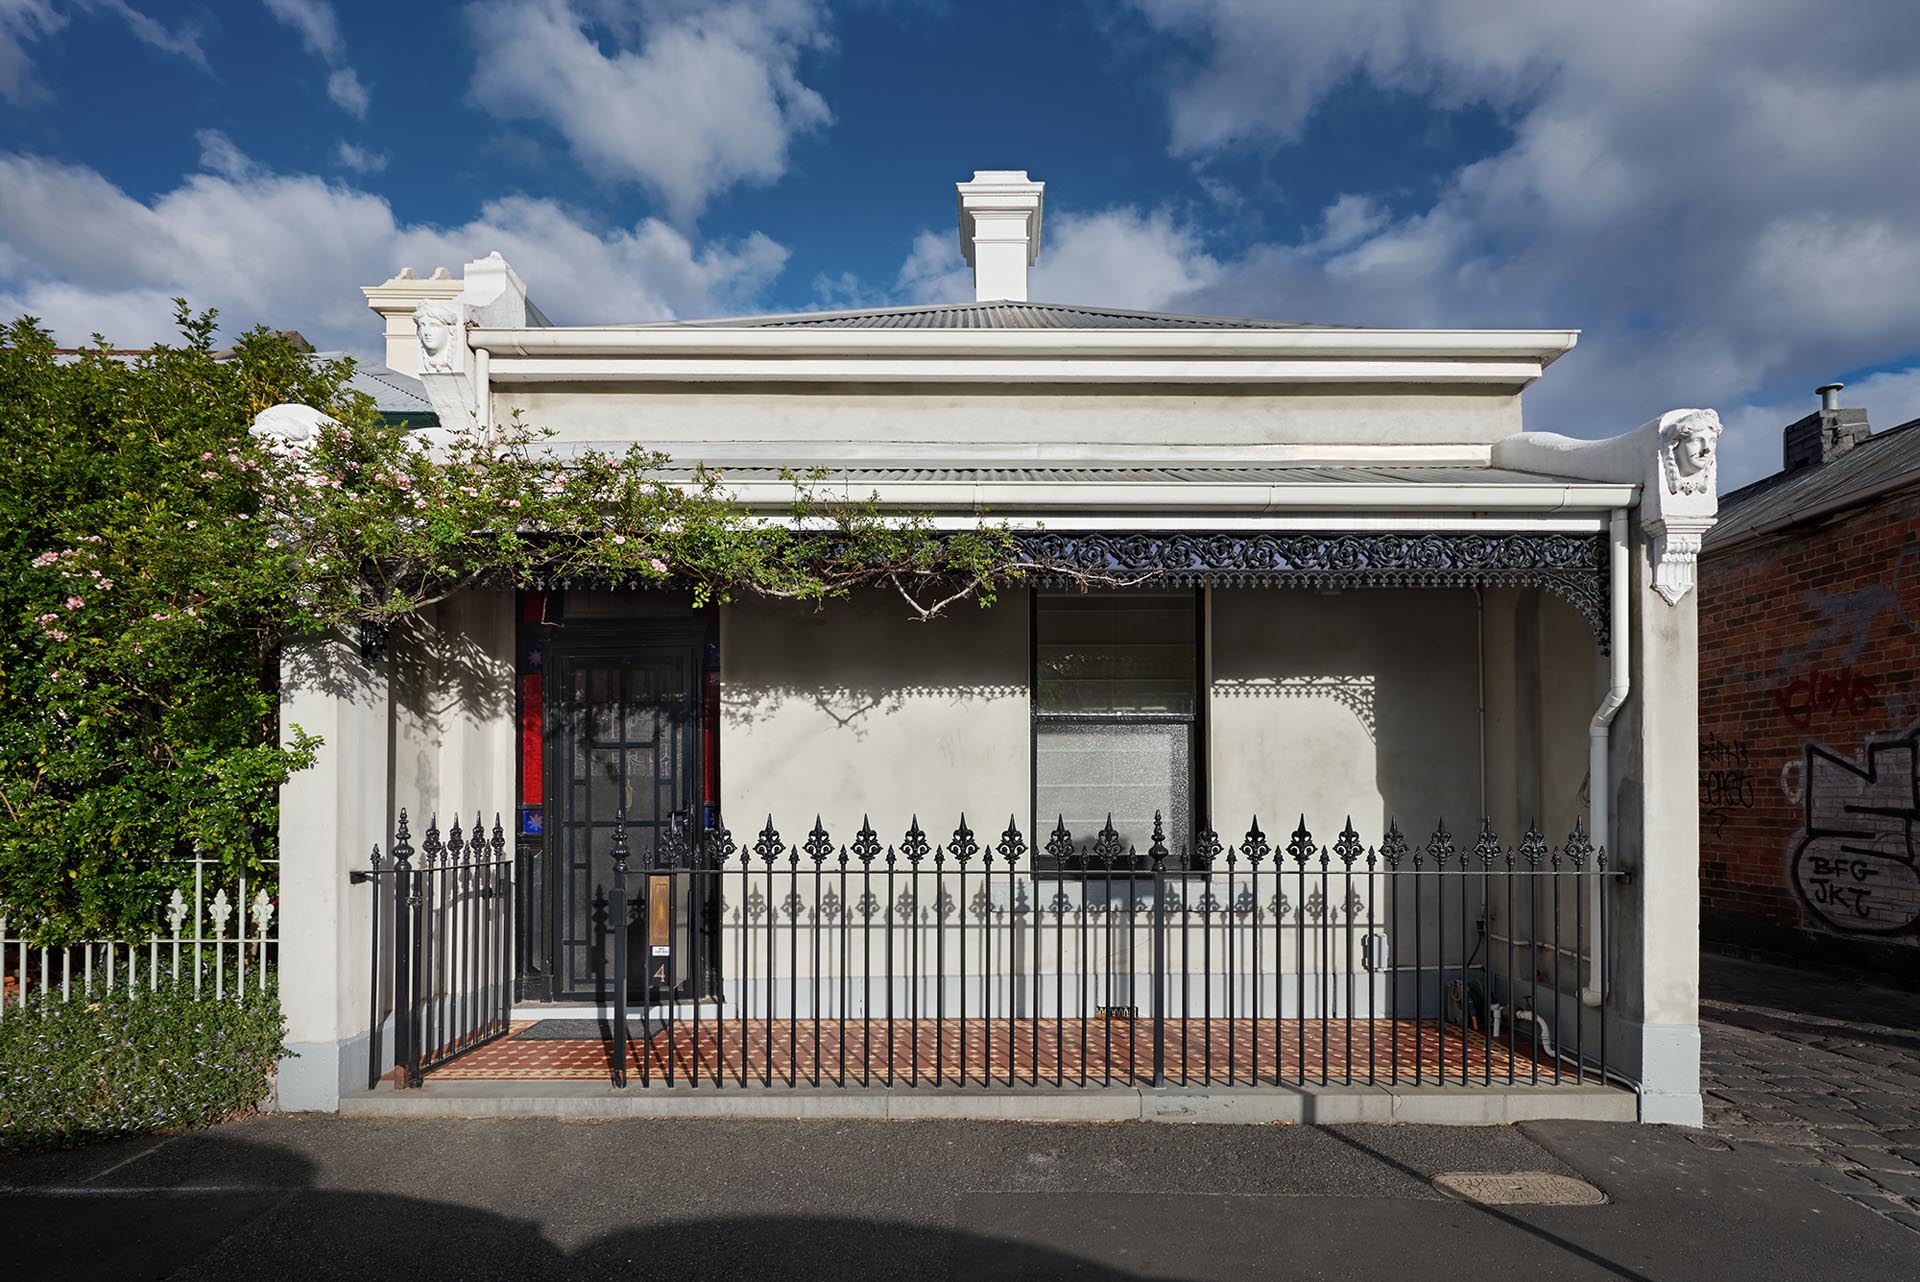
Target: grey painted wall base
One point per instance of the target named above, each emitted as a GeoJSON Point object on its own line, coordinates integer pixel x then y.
{"type": "Point", "coordinates": [1445, 1106]}
{"type": "Point", "coordinates": [316, 1076]}
{"type": "Point", "coordinates": [1669, 1056]}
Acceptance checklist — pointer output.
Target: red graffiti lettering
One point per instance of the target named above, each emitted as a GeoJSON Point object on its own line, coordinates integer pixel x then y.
{"type": "Point", "coordinates": [1843, 691]}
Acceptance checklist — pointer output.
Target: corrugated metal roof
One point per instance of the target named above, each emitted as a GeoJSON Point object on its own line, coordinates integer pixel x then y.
{"type": "Point", "coordinates": [1166, 474]}
{"type": "Point", "coordinates": [1883, 458]}
{"type": "Point", "coordinates": [985, 316]}
{"type": "Point", "coordinates": [392, 391]}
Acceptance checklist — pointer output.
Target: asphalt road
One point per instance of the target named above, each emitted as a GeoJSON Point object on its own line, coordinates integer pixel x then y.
{"type": "Point", "coordinates": [524, 1199]}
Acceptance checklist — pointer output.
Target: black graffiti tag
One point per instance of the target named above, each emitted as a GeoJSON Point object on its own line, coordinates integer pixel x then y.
{"type": "Point", "coordinates": [1855, 866]}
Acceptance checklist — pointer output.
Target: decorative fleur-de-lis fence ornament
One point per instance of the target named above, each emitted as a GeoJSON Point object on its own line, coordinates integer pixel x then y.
{"type": "Point", "coordinates": [1347, 846]}
{"type": "Point", "coordinates": [1533, 849]}
{"type": "Point", "coordinates": [1107, 848]}
{"type": "Point", "coordinates": [1012, 847]}
{"type": "Point", "coordinates": [430, 845]}
{"type": "Point", "coordinates": [262, 914]}
{"type": "Point", "coordinates": [1394, 847]}
{"type": "Point", "coordinates": [866, 843]}
{"type": "Point", "coordinates": [1300, 846]}
{"type": "Point", "coordinates": [456, 844]}
{"type": "Point", "coordinates": [1060, 846]}
{"type": "Point", "coordinates": [719, 847]}
{"type": "Point", "coordinates": [220, 910]}
{"type": "Point", "coordinates": [1439, 846]}
{"type": "Point", "coordinates": [818, 844]}
{"type": "Point", "coordinates": [1487, 846]}
{"type": "Point", "coordinates": [914, 845]}
{"type": "Point", "coordinates": [176, 912]}
{"type": "Point", "coordinates": [768, 844]}
{"type": "Point", "coordinates": [674, 847]}
{"type": "Point", "coordinates": [963, 846]}
{"type": "Point", "coordinates": [1206, 850]}
{"type": "Point", "coordinates": [497, 848]}
{"type": "Point", "coordinates": [1579, 846]}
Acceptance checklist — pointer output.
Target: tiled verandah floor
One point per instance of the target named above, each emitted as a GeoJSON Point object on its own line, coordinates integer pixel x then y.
{"type": "Point", "coordinates": [1118, 1052]}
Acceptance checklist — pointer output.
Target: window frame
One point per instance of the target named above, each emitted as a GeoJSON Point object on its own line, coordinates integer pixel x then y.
{"type": "Point", "coordinates": [1199, 808]}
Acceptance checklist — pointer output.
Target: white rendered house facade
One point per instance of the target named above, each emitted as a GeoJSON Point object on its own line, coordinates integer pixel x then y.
{"type": "Point", "coordinates": [1360, 593]}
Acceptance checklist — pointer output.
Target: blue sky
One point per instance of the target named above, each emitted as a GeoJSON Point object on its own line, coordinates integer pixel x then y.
{"type": "Point", "coordinates": [1713, 191]}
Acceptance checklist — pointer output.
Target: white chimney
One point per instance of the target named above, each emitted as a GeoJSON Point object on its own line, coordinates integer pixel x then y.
{"type": "Point", "coordinates": [1000, 231]}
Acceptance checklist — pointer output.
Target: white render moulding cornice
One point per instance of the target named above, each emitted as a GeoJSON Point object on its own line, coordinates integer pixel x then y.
{"type": "Point", "coordinates": [1189, 497]}
{"type": "Point", "coordinates": [1500, 346]}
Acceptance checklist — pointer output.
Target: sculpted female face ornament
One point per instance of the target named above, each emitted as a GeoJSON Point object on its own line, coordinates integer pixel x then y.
{"type": "Point", "coordinates": [1688, 447]}
{"type": "Point", "coordinates": [437, 323]}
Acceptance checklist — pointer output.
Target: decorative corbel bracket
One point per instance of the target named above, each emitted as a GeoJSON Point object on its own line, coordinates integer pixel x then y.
{"type": "Point", "coordinates": [1674, 459]}
{"type": "Point", "coordinates": [495, 297]}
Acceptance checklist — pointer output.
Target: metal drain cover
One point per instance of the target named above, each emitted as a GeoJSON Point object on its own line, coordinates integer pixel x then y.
{"type": "Point", "coordinates": [1519, 1188]}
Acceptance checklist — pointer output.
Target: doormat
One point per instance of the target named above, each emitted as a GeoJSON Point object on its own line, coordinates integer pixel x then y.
{"type": "Point", "coordinates": [584, 1030]}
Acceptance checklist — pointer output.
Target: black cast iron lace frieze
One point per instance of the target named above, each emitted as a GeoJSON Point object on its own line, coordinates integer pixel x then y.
{"type": "Point", "coordinates": [1572, 566]}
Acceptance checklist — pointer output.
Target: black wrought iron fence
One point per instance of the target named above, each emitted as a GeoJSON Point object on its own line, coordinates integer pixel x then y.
{"type": "Point", "coordinates": [960, 964]}
{"type": "Point", "coordinates": [442, 946]}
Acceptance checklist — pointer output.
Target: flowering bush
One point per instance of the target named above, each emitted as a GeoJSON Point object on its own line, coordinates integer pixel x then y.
{"type": "Point", "coordinates": [112, 1064]}
{"type": "Point", "coordinates": [154, 556]}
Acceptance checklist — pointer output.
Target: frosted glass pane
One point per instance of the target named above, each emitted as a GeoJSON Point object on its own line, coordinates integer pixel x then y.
{"type": "Point", "coordinates": [1083, 773]}
{"type": "Point", "coordinates": [1116, 653]}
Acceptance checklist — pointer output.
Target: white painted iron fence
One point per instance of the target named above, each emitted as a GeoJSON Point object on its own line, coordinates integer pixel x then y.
{"type": "Point", "coordinates": [221, 939]}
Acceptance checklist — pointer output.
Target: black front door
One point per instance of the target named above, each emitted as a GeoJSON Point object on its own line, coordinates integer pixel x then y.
{"type": "Point", "coordinates": [624, 712]}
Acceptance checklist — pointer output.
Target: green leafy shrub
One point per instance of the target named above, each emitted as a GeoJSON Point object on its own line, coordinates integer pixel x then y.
{"type": "Point", "coordinates": [115, 1064]}
{"type": "Point", "coordinates": [155, 557]}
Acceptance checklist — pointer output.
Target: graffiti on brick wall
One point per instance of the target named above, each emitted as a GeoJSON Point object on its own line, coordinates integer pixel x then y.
{"type": "Point", "coordinates": [1854, 863]}
{"type": "Point", "coordinates": [1726, 782]}
{"type": "Point", "coordinates": [1830, 691]}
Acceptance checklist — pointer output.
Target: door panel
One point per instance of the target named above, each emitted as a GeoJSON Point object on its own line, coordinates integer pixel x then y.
{"type": "Point", "coordinates": [628, 719]}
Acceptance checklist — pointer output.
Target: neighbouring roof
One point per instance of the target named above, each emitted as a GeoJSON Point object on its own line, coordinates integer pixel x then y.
{"type": "Point", "coordinates": [392, 391]}
{"type": "Point", "coordinates": [997, 315]}
{"type": "Point", "coordinates": [1884, 458]}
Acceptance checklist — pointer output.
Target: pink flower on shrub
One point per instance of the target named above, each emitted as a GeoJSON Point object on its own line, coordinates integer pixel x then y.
{"type": "Point", "coordinates": [657, 565]}
{"type": "Point", "coordinates": [420, 503]}
{"type": "Point", "coordinates": [74, 603]}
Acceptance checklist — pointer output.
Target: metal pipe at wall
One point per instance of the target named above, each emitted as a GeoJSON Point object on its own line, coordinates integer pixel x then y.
{"type": "Point", "coordinates": [1619, 685]}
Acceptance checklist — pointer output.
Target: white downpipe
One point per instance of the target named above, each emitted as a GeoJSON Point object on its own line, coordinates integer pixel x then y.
{"type": "Point", "coordinates": [1600, 730]}
{"type": "Point", "coordinates": [483, 389]}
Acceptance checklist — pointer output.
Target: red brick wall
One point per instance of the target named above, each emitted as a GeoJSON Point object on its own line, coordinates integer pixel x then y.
{"type": "Point", "coordinates": [1809, 653]}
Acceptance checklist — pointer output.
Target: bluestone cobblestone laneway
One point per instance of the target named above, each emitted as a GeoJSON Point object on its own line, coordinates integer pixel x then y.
{"type": "Point", "coordinates": [1816, 1071]}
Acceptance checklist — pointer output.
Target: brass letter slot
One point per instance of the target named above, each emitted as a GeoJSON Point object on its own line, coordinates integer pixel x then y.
{"type": "Point", "coordinates": [659, 915]}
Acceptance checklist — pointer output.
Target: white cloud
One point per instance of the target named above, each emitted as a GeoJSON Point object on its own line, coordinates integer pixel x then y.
{"type": "Point", "coordinates": [319, 29]}
{"type": "Point", "coordinates": [348, 94]}
{"type": "Point", "coordinates": [360, 159]}
{"type": "Point", "coordinates": [23, 22]}
{"type": "Point", "coordinates": [184, 41]}
{"type": "Point", "coordinates": [290, 250]}
{"type": "Point", "coordinates": [1710, 190]}
{"type": "Point", "coordinates": [317, 24]}
{"type": "Point", "coordinates": [1114, 258]}
{"type": "Point", "coordinates": [688, 103]}
{"type": "Point", "coordinates": [219, 154]}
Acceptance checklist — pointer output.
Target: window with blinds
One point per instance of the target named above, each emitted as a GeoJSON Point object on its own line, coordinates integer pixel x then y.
{"type": "Point", "coordinates": [1116, 707]}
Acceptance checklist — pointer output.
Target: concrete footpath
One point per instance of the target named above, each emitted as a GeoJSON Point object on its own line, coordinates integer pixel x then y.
{"type": "Point", "coordinates": [741, 1198]}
